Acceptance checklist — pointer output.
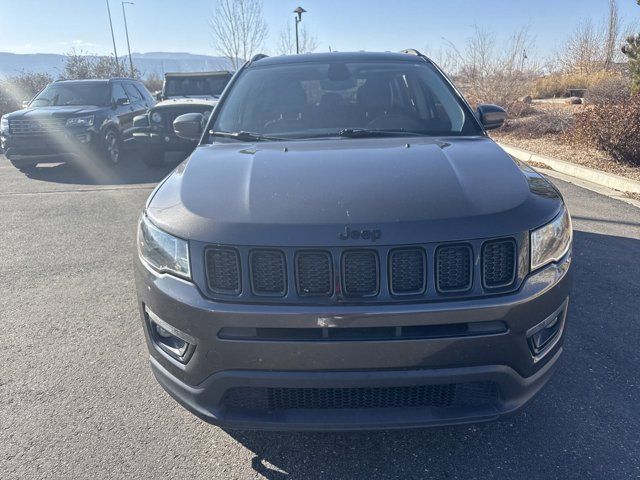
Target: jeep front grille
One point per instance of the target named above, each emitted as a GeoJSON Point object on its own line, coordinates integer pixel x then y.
{"type": "Point", "coordinates": [408, 271]}
{"type": "Point", "coordinates": [223, 270]}
{"type": "Point", "coordinates": [361, 275]}
{"type": "Point", "coordinates": [314, 273]}
{"type": "Point", "coordinates": [268, 272]}
{"type": "Point", "coordinates": [454, 268]}
{"type": "Point", "coordinates": [498, 262]}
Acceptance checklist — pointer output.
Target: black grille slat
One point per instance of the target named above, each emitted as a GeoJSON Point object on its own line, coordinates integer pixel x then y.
{"type": "Point", "coordinates": [223, 270]}
{"type": "Point", "coordinates": [314, 274]}
{"type": "Point", "coordinates": [360, 273]}
{"type": "Point", "coordinates": [268, 272]}
{"type": "Point", "coordinates": [498, 263]}
{"type": "Point", "coordinates": [408, 271]}
{"type": "Point", "coordinates": [454, 265]}
{"type": "Point", "coordinates": [269, 399]}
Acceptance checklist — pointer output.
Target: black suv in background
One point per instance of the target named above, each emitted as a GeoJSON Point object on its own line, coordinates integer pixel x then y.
{"type": "Point", "coordinates": [74, 117]}
{"type": "Point", "coordinates": [181, 93]}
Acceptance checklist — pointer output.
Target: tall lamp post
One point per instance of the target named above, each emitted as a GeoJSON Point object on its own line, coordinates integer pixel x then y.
{"type": "Point", "coordinates": [298, 11]}
{"type": "Point", "coordinates": [115, 52]}
{"type": "Point", "coordinates": [126, 30]}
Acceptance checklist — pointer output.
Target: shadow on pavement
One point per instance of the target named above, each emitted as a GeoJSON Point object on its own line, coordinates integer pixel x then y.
{"type": "Point", "coordinates": [93, 171]}
{"type": "Point", "coordinates": [584, 423]}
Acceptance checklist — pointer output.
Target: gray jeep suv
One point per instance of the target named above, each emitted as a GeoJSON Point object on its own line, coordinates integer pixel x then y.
{"type": "Point", "coordinates": [347, 249]}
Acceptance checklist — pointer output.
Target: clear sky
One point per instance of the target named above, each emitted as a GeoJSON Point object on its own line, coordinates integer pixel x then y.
{"type": "Point", "coordinates": [54, 26]}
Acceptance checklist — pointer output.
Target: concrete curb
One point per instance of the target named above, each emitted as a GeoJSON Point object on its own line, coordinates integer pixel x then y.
{"type": "Point", "coordinates": [598, 177]}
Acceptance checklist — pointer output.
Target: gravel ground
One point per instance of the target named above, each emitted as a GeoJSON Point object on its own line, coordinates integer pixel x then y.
{"type": "Point", "coordinates": [78, 400]}
{"type": "Point", "coordinates": [518, 134]}
{"type": "Point", "coordinates": [553, 146]}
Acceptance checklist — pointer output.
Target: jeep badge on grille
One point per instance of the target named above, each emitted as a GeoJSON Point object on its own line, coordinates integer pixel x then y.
{"type": "Point", "coordinates": [354, 234]}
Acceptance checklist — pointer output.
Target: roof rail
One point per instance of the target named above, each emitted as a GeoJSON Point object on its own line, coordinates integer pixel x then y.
{"type": "Point", "coordinates": [257, 57]}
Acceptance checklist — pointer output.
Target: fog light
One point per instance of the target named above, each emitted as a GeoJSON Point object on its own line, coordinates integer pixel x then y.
{"type": "Point", "coordinates": [545, 335]}
{"type": "Point", "coordinates": [169, 339]}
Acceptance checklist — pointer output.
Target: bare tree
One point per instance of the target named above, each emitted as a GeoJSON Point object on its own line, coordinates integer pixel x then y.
{"type": "Point", "coordinates": [488, 74]}
{"type": "Point", "coordinates": [592, 48]}
{"type": "Point", "coordinates": [238, 29]}
{"type": "Point", "coordinates": [612, 35]}
{"type": "Point", "coordinates": [287, 41]}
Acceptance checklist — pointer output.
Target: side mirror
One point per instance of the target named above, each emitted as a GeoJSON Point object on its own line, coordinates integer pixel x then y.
{"type": "Point", "coordinates": [122, 101]}
{"type": "Point", "coordinates": [491, 116]}
{"type": "Point", "coordinates": [158, 96]}
{"type": "Point", "coordinates": [189, 126]}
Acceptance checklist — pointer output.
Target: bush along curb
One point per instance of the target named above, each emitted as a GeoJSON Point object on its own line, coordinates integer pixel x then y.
{"type": "Point", "coordinates": [598, 177]}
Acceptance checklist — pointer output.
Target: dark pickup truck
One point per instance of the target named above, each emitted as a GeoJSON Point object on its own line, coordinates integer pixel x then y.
{"type": "Point", "coordinates": [181, 93]}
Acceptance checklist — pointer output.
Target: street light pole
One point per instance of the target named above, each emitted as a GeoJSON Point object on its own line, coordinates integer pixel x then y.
{"type": "Point", "coordinates": [298, 11]}
{"type": "Point", "coordinates": [126, 30]}
{"type": "Point", "coordinates": [115, 52]}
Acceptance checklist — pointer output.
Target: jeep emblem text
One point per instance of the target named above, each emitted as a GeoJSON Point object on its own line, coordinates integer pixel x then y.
{"type": "Point", "coordinates": [354, 234]}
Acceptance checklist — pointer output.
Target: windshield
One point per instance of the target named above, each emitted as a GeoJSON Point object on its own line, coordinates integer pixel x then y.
{"type": "Point", "coordinates": [72, 94]}
{"type": "Point", "coordinates": [198, 86]}
{"type": "Point", "coordinates": [310, 100]}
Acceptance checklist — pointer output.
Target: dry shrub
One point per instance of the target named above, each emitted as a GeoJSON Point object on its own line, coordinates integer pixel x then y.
{"type": "Point", "coordinates": [558, 84]}
{"type": "Point", "coordinates": [550, 120]}
{"type": "Point", "coordinates": [611, 127]}
{"type": "Point", "coordinates": [610, 89]}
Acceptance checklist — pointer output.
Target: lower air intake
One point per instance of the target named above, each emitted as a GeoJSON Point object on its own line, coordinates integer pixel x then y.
{"type": "Point", "coordinates": [269, 399]}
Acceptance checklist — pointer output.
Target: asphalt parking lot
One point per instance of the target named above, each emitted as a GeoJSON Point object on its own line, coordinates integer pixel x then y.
{"type": "Point", "coordinates": [78, 400]}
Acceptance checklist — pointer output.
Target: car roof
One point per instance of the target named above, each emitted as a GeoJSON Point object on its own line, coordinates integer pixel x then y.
{"type": "Point", "coordinates": [98, 80]}
{"type": "Point", "coordinates": [197, 74]}
{"type": "Point", "coordinates": [414, 56]}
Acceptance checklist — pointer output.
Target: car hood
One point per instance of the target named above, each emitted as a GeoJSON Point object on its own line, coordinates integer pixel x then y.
{"type": "Point", "coordinates": [55, 111]}
{"type": "Point", "coordinates": [305, 193]}
{"type": "Point", "coordinates": [210, 101]}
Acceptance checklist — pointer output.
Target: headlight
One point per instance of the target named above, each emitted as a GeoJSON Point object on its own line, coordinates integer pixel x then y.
{"type": "Point", "coordinates": [85, 121]}
{"type": "Point", "coordinates": [4, 123]}
{"type": "Point", "coordinates": [161, 251]}
{"type": "Point", "coordinates": [156, 117]}
{"type": "Point", "coordinates": [551, 242]}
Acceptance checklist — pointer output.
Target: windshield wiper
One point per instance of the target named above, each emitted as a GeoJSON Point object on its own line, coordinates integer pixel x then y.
{"type": "Point", "coordinates": [364, 132]}
{"type": "Point", "coordinates": [245, 136]}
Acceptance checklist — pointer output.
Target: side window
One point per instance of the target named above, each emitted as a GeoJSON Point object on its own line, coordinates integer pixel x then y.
{"type": "Point", "coordinates": [117, 93]}
{"type": "Point", "coordinates": [148, 98]}
{"type": "Point", "coordinates": [133, 93]}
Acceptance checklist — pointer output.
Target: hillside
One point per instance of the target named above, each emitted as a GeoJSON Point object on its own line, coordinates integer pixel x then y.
{"type": "Point", "coordinates": [148, 63]}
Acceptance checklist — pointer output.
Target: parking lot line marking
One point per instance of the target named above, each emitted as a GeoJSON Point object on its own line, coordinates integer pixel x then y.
{"type": "Point", "coordinates": [80, 190]}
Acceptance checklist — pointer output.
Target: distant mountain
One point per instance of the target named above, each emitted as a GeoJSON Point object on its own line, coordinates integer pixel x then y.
{"type": "Point", "coordinates": [148, 63]}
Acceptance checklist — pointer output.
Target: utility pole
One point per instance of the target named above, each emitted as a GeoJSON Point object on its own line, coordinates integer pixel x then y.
{"type": "Point", "coordinates": [115, 52]}
{"type": "Point", "coordinates": [298, 11]}
{"type": "Point", "coordinates": [126, 30]}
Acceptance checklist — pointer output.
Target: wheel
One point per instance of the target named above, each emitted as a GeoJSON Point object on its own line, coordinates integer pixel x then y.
{"type": "Point", "coordinates": [112, 147]}
{"type": "Point", "coordinates": [152, 156]}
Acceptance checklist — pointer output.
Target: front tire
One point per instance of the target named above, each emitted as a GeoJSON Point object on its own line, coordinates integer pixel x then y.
{"type": "Point", "coordinates": [112, 147]}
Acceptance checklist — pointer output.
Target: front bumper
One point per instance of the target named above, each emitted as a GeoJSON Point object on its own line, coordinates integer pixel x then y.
{"type": "Point", "coordinates": [77, 142]}
{"type": "Point", "coordinates": [219, 365]}
{"type": "Point", "coordinates": [166, 141]}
